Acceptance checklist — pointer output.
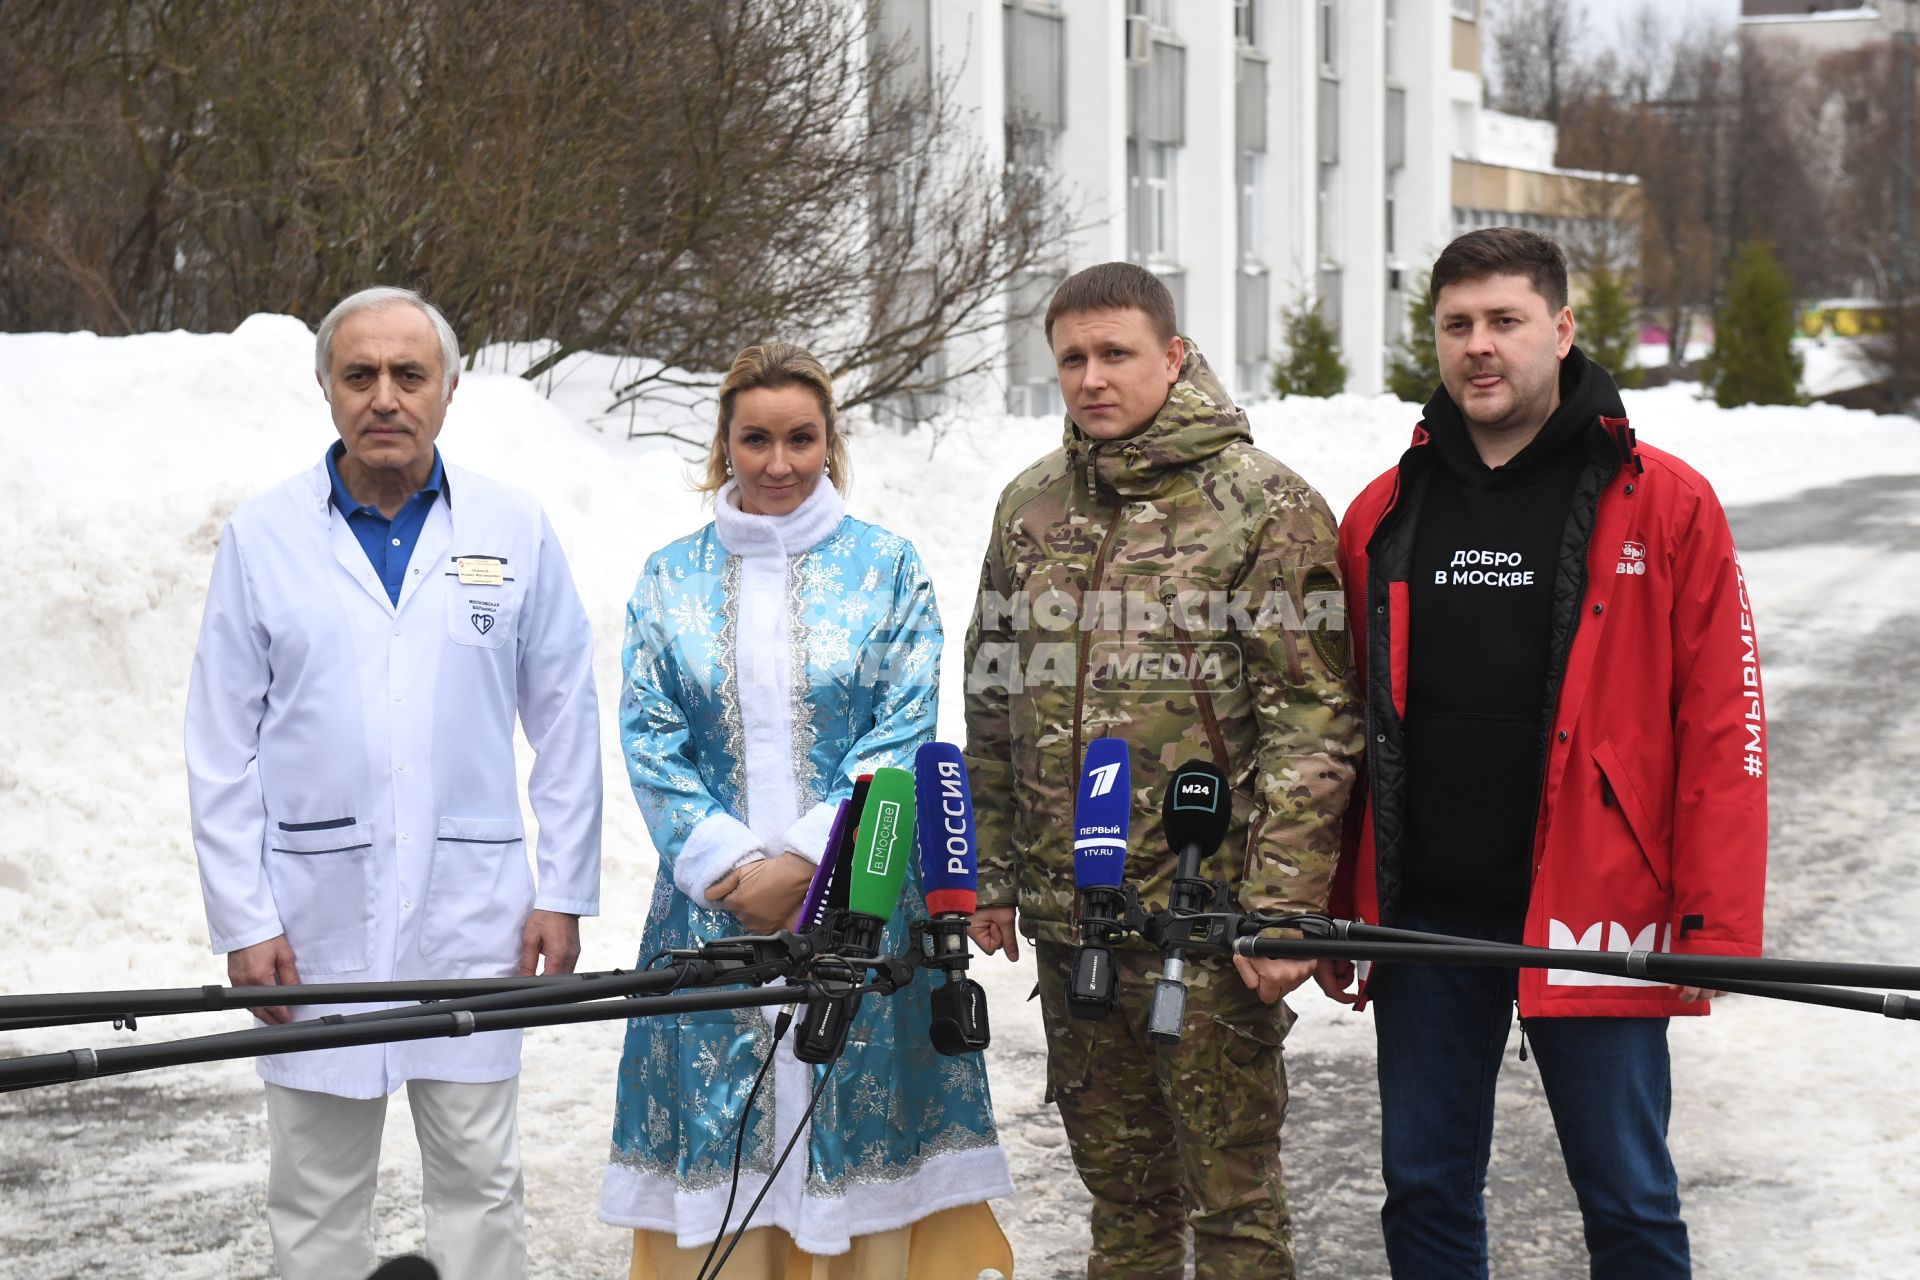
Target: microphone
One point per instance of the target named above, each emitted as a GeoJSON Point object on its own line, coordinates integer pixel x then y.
{"type": "Point", "coordinates": [815, 903]}
{"type": "Point", "coordinates": [878, 866]}
{"type": "Point", "coordinates": [826, 901]}
{"type": "Point", "coordinates": [950, 870]}
{"type": "Point", "coordinates": [1195, 815]}
{"type": "Point", "coordinates": [1100, 816]}
{"type": "Point", "coordinates": [409, 1266]}
{"type": "Point", "coordinates": [874, 872]}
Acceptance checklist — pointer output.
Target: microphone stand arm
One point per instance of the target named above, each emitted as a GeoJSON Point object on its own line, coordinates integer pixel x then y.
{"type": "Point", "coordinates": [1799, 981]}
{"type": "Point", "coordinates": [496, 1005]}
{"type": "Point", "coordinates": [58, 1009]}
{"type": "Point", "coordinates": [427, 1022]}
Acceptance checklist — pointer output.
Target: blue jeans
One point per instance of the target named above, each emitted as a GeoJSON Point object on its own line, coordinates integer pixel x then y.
{"type": "Point", "coordinates": [1441, 1031]}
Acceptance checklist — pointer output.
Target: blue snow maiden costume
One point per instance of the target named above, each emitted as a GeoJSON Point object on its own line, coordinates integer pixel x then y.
{"type": "Point", "coordinates": [769, 660]}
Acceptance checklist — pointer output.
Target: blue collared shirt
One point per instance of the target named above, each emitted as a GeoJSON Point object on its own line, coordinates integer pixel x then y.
{"type": "Point", "coordinates": [388, 543]}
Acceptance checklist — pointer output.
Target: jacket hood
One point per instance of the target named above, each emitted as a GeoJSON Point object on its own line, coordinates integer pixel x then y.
{"type": "Point", "coordinates": [1587, 394]}
{"type": "Point", "coordinates": [1198, 421]}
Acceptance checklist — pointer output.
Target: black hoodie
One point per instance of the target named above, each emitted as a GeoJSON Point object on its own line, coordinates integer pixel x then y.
{"type": "Point", "coordinates": [1484, 554]}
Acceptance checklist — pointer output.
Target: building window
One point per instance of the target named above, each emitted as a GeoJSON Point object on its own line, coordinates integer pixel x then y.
{"type": "Point", "coordinates": [1252, 307]}
{"type": "Point", "coordinates": [1033, 388]}
{"type": "Point", "coordinates": [1157, 95]}
{"type": "Point", "coordinates": [1396, 122]}
{"type": "Point", "coordinates": [903, 305]}
{"type": "Point", "coordinates": [1176, 282]}
{"type": "Point", "coordinates": [901, 133]}
{"type": "Point", "coordinates": [1251, 211]}
{"type": "Point", "coordinates": [1152, 174]}
{"type": "Point", "coordinates": [905, 33]}
{"type": "Point", "coordinates": [1250, 101]}
{"type": "Point", "coordinates": [1036, 67]}
{"type": "Point", "coordinates": [1393, 39]}
{"type": "Point", "coordinates": [1246, 22]}
{"type": "Point", "coordinates": [1327, 289]}
{"type": "Point", "coordinates": [1390, 203]}
{"type": "Point", "coordinates": [1329, 37]}
{"type": "Point", "coordinates": [1033, 155]}
{"type": "Point", "coordinates": [1327, 216]}
{"type": "Point", "coordinates": [1327, 108]}
{"type": "Point", "coordinates": [1156, 107]}
{"type": "Point", "coordinates": [1159, 13]}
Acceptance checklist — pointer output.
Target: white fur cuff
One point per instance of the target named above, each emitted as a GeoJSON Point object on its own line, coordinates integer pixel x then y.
{"type": "Point", "coordinates": [808, 836]}
{"type": "Point", "coordinates": [718, 845]}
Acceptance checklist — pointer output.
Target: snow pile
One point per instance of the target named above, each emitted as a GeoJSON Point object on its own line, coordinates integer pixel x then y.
{"type": "Point", "coordinates": [1830, 365]}
{"type": "Point", "coordinates": [120, 458]}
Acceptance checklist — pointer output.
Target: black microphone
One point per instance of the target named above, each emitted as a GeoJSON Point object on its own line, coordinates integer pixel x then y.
{"type": "Point", "coordinates": [1101, 813]}
{"type": "Point", "coordinates": [408, 1266]}
{"type": "Point", "coordinates": [1195, 814]}
{"type": "Point", "coordinates": [950, 872]}
{"type": "Point", "coordinates": [830, 902]}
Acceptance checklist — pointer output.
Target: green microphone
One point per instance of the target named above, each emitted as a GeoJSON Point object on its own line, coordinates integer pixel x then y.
{"type": "Point", "coordinates": [882, 847]}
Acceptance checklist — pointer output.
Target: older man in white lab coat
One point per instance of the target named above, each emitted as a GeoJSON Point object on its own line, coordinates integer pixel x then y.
{"type": "Point", "coordinates": [373, 626]}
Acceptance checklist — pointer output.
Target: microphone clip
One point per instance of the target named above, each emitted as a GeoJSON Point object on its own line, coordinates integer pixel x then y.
{"type": "Point", "coordinates": [1202, 919]}
{"type": "Point", "coordinates": [1310, 924]}
{"type": "Point", "coordinates": [749, 951]}
{"type": "Point", "coordinates": [941, 943]}
{"type": "Point", "coordinates": [1105, 915]}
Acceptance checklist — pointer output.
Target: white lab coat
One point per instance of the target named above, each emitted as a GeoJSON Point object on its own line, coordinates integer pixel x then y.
{"type": "Point", "coordinates": [350, 763]}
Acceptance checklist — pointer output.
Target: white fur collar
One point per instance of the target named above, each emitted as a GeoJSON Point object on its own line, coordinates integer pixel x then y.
{"type": "Point", "coordinates": [799, 531]}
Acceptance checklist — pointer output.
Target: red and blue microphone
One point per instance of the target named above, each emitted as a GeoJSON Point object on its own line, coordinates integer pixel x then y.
{"type": "Point", "coordinates": [950, 874]}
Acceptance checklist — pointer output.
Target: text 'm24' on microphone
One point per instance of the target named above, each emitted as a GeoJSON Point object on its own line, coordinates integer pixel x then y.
{"type": "Point", "coordinates": [1194, 815]}
{"type": "Point", "coordinates": [874, 871]}
{"type": "Point", "coordinates": [950, 873]}
{"type": "Point", "coordinates": [1101, 813]}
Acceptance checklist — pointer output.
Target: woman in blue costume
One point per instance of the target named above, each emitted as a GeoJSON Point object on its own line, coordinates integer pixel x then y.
{"type": "Point", "coordinates": [770, 659]}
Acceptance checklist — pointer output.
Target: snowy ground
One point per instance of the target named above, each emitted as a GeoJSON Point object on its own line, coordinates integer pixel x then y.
{"type": "Point", "coordinates": [119, 459]}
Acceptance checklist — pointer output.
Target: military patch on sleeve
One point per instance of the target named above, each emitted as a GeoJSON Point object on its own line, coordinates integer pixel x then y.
{"type": "Point", "coordinates": [1326, 618]}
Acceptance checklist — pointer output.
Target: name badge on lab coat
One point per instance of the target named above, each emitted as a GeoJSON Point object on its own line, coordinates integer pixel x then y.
{"type": "Point", "coordinates": [480, 618]}
{"type": "Point", "coordinates": [481, 571]}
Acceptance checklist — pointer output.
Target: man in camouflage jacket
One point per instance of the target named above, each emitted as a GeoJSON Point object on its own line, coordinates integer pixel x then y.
{"type": "Point", "coordinates": [1159, 579]}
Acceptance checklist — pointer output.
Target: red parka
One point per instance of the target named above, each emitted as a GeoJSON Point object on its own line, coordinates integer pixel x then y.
{"type": "Point", "coordinates": [1651, 832]}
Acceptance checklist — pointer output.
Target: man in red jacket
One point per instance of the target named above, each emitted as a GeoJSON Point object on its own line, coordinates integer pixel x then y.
{"type": "Point", "coordinates": [1566, 747]}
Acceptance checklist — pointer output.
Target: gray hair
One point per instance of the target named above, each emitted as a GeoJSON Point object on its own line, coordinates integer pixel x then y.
{"type": "Point", "coordinates": [377, 298]}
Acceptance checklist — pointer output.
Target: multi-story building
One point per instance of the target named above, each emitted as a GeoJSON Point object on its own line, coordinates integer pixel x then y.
{"type": "Point", "coordinates": [1250, 152]}
{"type": "Point", "coordinates": [1797, 28]}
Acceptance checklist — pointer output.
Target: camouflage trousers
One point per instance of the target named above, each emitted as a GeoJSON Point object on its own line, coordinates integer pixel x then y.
{"type": "Point", "coordinates": [1167, 1137]}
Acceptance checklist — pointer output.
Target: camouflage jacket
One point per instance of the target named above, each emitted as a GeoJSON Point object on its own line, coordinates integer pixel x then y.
{"type": "Point", "coordinates": [1176, 589]}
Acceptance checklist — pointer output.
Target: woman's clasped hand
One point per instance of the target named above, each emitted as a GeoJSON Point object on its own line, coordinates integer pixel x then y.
{"type": "Point", "coordinates": [764, 893]}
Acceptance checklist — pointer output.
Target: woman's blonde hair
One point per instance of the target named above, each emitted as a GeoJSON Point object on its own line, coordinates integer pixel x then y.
{"type": "Point", "coordinates": [770, 366]}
